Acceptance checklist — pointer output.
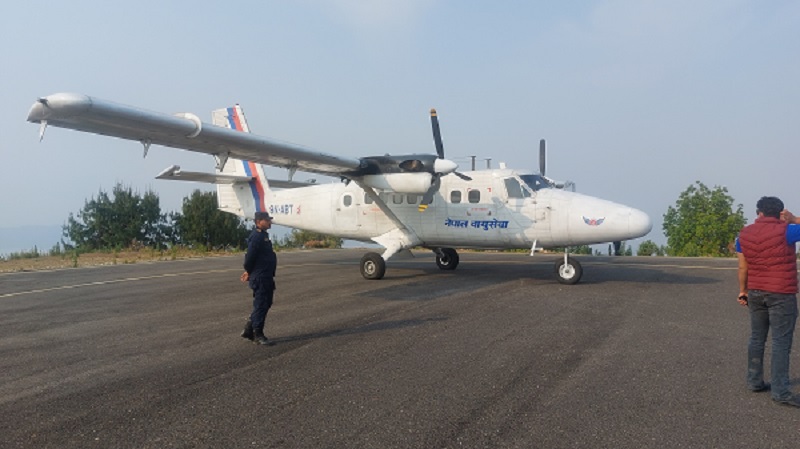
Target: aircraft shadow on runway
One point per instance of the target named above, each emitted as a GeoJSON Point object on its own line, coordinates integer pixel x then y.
{"type": "Point", "coordinates": [471, 276]}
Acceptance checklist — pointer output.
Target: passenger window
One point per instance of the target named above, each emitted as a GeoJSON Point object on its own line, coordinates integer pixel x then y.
{"type": "Point", "coordinates": [347, 200]}
{"type": "Point", "coordinates": [455, 196]}
{"type": "Point", "coordinates": [411, 199]}
{"type": "Point", "coordinates": [513, 188]}
{"type": "Point", "coordinates": [474, 196]}
{"type": "Point", "coordinates": [397, 198]}
{"type": "Point", "coordinates": [367, 199]}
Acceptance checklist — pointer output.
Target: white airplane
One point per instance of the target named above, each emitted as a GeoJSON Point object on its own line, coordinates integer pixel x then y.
{"type": "Point", "coordinates": [399, 202]}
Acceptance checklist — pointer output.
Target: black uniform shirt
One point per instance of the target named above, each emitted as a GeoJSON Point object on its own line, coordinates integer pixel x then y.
{"type": "Point", "coordinates": [260, 261]}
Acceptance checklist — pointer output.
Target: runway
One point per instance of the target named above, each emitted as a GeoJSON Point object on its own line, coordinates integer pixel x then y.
{"type": "Point", "coordinates": [643, 353]}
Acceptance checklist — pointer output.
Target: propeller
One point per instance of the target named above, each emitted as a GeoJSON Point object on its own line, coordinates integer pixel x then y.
{"type": "Point", "coordinates": [543, 165]}
{"type": "Point", "coordinates": [542, 156]}
{"type": "Point", "coordinates": [441, 166]}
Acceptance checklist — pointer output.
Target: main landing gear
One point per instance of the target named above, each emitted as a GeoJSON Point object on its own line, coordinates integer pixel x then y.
{"type": "Point", "coordinates": [373, 266]}
{"type": "Point", "coordinates": [446, 258]}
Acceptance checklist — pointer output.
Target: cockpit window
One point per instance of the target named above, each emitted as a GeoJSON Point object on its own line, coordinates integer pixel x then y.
{"type": "Point", "coordinates": [536, 182]}
{"type": "Point", "coordinates": [513, 188]}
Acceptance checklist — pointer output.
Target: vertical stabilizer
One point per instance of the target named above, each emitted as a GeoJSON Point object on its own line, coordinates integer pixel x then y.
{"type": "Point", "coordinates": [243, 199]}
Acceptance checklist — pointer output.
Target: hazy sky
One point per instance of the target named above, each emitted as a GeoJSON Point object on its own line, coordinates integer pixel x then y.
{"type": "Point", "coordinates": [637, 99]}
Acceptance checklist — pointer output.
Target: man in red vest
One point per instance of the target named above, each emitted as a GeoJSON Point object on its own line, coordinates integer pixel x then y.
{"type": "Point", "coordinates": [768, 287]}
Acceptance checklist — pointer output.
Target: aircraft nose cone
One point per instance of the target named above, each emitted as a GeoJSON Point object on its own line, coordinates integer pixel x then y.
{"type": "Point", "coordinates": [639, 223]}
{"type": "Point", "coordinates": [444, 166]}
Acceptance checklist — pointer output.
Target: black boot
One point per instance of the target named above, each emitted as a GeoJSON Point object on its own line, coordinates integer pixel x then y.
{"type": "Point", "coordinates": [259, 338]}
{"type": "Point", "coordinates": [248, 330]}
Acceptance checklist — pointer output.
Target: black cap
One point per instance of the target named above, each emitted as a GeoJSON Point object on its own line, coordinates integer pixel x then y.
{"type": "Point", "coordinates": [262, 216]}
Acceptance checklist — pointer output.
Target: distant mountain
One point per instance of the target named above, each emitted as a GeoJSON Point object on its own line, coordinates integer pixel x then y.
{"type": "Point", "coordinates": [25, 238]}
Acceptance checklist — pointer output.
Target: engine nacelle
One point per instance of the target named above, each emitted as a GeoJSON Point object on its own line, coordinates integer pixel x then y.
{"type": "Point", "coordinates": [417, 183]}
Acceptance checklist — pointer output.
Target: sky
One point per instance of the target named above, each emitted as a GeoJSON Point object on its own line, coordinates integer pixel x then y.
{"type": "Point", "coordinates": [637, 99]}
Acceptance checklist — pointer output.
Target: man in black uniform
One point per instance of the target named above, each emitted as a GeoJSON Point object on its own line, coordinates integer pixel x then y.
{"type": "Point", "coordinates": [259, 271]}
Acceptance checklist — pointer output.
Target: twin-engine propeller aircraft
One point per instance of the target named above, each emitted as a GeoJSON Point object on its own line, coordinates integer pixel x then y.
{"type": "Point", "coordinates": [399, 202]}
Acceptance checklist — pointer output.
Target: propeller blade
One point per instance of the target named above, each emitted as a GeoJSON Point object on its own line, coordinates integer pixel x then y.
{"type": "Point", "coordinates": [427, 198]}
{"type": "Point", "coordinates": [437, 135]}
{"type": "Point", "coordinates": [542, 156]}
{"type": "Point", "coordinates": [462, 176]}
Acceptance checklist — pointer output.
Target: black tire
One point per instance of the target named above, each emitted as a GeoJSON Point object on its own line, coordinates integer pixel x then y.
{"type": "Point", "coordinates": [447, 259]}
{"type": "Point", "coordinates": [570, 272]}
{"type": "Point", "coordinates": [373, 266]}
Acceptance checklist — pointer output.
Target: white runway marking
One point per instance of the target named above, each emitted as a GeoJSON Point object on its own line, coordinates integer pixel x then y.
{"type": "Point", "coordinates": [113, 281]}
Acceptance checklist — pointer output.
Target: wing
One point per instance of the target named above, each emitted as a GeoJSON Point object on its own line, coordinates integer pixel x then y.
{"type": "Point", "coordinates": [184, 131]}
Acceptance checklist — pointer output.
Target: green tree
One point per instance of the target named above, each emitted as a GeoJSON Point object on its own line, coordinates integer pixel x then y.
{"type": "Point", "coordinates": [121, 220]}
{"type": "Point", "coordinates": [649, 248]}
{"type": "Point", "coordinates": [703, 222]}
{"type": "Point", "coordinates": [581, 249]}
{"type": "Point", "coordinates": [201, 223]}
{"type": "Point", "coordinates": [299, 238]}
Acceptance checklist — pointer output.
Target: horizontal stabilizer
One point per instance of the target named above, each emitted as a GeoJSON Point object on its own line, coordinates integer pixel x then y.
{"type": "Point", "coordinates": [174, 173]}
{"type": "Point", "coordinates": [289, 184]}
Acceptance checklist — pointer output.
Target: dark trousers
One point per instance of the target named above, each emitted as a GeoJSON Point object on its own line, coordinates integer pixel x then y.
{"type": "Point", "coordinates": [777, 313]}
{"type": "Point", "coordinates": [262, 301]}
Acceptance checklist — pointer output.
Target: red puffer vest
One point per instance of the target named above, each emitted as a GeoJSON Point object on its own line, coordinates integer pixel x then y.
{"type": "Point", "coordinates": [771, 261]}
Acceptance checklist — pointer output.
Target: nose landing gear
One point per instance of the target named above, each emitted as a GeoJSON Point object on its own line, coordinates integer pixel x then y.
{"type": "Point", "coordinates": [568, 270]}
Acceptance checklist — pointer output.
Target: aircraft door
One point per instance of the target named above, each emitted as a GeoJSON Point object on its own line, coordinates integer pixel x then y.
{"type": "Point", "coordinates": [530, 219]}
{"type": "Point", "coordinates": [346, 212]}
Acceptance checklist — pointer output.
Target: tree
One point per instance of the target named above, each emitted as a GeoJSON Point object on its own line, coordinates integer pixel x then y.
{"type": "Point", "coordinates": [201, 223]}
{"type": "Point", "coordinates": [126, 219]}
{"type": "Point", "coordinates": [703, 223]}
{"type": "Point", "coordinates": [649, 248]}
{"type": "Point", "coordinates": [581, 249]}
{"type": "Point", "coordinates": [307, 239]}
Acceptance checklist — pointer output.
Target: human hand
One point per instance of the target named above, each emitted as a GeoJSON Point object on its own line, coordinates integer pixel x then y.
{"type": "Point", "coordinates": [742, 298]}
{"type": "Point", "coordinates": [244, 277]}
{"type": "Point", "coordinates": [788, 217]}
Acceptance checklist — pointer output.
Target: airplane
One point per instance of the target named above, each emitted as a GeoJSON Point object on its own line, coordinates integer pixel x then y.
{"type": "Point", "coordinates": [397, 201]}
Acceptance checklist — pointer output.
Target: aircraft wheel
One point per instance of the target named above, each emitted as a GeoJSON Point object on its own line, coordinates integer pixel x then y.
{"type": "Point", "coordinates": [447, 259]}
{"type": "Point", "coordinates": [569, 272]}
{"type": "Point", "coordinates": [373, 266]}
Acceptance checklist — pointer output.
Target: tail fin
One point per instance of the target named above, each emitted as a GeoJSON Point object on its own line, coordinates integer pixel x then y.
{"type": "Point", "coordinates": [239, 198]}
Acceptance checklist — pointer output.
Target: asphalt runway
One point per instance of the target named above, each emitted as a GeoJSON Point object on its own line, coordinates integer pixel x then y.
{"type": "Point", "coordinates": [643, 353]}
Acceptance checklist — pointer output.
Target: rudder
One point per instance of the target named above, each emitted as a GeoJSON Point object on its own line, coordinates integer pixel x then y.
{"type": "Point", "coordinates": [243, 199]}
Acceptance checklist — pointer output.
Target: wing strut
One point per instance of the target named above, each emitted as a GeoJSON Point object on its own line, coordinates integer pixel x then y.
{"type": "Point", "coordinates": [397, 239]}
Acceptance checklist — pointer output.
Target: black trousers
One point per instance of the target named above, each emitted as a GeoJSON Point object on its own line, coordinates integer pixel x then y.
{"type": "Point", "coordinates": [263, 291]}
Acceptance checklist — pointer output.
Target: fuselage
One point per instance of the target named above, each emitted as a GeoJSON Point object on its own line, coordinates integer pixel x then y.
{"type": "Point", "coordinates": [495, 209]}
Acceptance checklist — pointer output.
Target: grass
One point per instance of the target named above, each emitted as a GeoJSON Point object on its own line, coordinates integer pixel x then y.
{"type": "Point", "coordinates": [34, 260]}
